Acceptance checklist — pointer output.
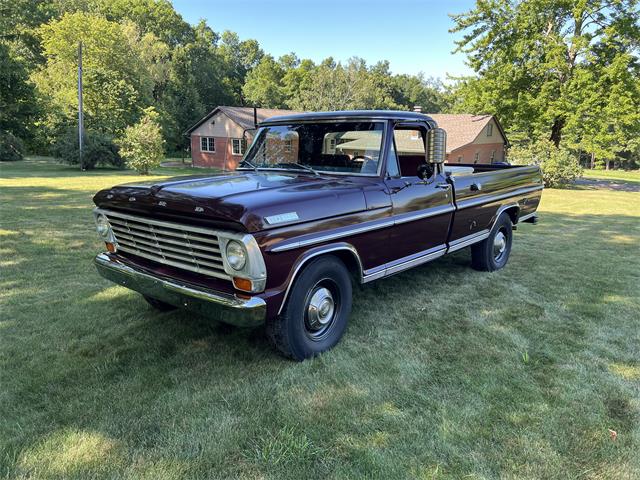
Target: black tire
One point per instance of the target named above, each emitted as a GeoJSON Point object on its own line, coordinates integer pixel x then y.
{"type": "Point", "coordinates": [159, 305]}
{"type": "Point", "coordinates": [313, 321]}
{"type": "Point", "coordinates": [493, 253]}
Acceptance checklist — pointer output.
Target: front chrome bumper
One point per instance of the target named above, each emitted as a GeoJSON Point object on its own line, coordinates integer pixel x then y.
{"type": "Point", "coordinates": [224, 307]}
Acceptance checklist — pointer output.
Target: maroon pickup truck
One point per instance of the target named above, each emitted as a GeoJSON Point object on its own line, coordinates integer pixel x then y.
{"type": "Point", "coordinates": [319, 202]}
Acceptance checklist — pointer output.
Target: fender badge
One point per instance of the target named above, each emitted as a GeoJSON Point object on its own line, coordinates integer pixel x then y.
{"type": "Point", "coordinates": [109, 197]}
{"type": "Point", "coordinates": [199, 209]}
{"type": "Point", "coordinates": [162, 204]}
{"type": "Point", "coordinates": [132, 199]}
{"type": "Point", "coordinates": [281, 218]}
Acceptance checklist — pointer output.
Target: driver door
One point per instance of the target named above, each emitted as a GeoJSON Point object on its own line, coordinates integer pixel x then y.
{"type": "Point", "coordinates": [422, 209]}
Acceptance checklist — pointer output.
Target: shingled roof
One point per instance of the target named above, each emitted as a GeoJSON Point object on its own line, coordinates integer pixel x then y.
{"type": "Point", "coordinates": [463, 128]}
{"type": "Point", "coordinates": [243, 116]}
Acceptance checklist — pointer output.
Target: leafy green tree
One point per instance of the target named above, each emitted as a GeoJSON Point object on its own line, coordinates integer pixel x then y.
{"type": "Point", "coordinates": [537, 60]}
{"type": "Point", "coordinates": [239, 57]}
{"type": "Point", "coordinates": [559, 166]}
{"type": "Point", "coordinates": [142, 145]}
{"type": "Point", "coordinates": [415, 90]}
{"type": "Point", "coordinates": [150, 16]}
{"type": "Point", "coordinates": [116, 81]}
{"type": "Point", "coordinates": [263, 85]}
{"type": "Point", "coordinates": [17, 95]}
{"type": "Point", "coordinates": [11, 147]}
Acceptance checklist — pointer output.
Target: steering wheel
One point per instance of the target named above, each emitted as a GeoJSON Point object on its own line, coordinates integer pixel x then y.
{"type": "Point", "coordinates": [363, 157]}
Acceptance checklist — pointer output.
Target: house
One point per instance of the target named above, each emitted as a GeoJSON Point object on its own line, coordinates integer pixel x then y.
{"type": "Point", "coordinates": [219, 140]}
{"type": "Point", "coordinates": [472, 138]}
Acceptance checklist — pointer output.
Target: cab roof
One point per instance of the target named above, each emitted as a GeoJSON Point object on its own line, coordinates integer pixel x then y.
{"type": "Point", "coordinates": [396, 115]}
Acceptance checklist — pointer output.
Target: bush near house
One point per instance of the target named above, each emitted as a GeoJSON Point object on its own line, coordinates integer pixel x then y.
{"type": "Point", "coordinates": [142, 145]}
{"type": "Point", "coordinates": [559, 166]}
{"type": "Point", "coordinates": [99, 150]}
{"type": "Point", "coordinates": [11, 147]}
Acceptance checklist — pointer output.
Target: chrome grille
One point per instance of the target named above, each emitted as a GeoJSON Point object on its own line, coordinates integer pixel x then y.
{"type": "Point", "coordinates": [182, 246]}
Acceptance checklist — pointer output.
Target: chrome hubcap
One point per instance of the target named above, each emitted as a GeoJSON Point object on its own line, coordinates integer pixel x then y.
{"type": "Point", "coordinates": [321, 309]}
{"type": "Point", "coordinates": [499, 245]}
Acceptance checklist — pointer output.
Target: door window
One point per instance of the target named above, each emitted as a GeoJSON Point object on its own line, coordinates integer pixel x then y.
{"type": "Point", "coordinates": [409, 149]}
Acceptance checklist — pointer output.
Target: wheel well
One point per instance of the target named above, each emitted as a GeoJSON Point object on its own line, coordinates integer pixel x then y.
{"type": "Point", "coordinates": [513, 213]}
{"type": "Point", "coordinates": [350, 261]}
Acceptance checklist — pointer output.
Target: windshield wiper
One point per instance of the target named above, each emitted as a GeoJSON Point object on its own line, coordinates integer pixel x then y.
{"type": "Point", "coordinates": [300, 165]}
{"type": "Point", "coordinates": [251, 165]}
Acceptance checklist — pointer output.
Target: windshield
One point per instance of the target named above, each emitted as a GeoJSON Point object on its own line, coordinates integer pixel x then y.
{"type": "Point", "coordinates": [336, 147]}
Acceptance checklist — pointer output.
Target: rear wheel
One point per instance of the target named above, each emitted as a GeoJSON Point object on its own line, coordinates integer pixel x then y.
{"type": "Point", "coordinates": [159, 305]}
{"type": "Point", "coordinates": [493, 253]}
{"type": "Point", "coordinates": [317, 309]}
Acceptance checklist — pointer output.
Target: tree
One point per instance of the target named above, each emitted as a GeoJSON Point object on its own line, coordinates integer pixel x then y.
{"type": "Point", "coordinates": [332, 86]}
{"type": "Point", "coordinates": [116, 81]}
{"type": "Point", "coordinates": [142, 145]}
{"type": "Point", "coordinates": [17, 95]}
{"type": "Point", "coordinates": [537, 59]}
{"type": "Point", "coordinates": [239, 57]}
{"type": "Point", "coordinates": [414, 90]}
{"type": "Point", "coordinates": [263, 86]}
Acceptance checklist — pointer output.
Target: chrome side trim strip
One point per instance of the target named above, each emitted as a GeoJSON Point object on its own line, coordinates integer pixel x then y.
{"type": "Point", "coordinates": [404, 263]}
{"type": "Point", "coordinates": [468, 240]}
{"type": "Point", "coordinates": [425, 214]}
{"type": "Point", "coordinates": [493, 198]}
{"type": "Point", "coordinates": [375, 225]}
{"type": "Point", "coordinates": [333, 236]}
{"type": "Point", "coordinates": [526, 217]}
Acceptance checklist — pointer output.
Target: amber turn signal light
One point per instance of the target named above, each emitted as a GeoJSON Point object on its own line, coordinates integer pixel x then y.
{"type": "Point", "coordinates": [110, 247]}
{"type": "Point", "coordinates": [242, 284]}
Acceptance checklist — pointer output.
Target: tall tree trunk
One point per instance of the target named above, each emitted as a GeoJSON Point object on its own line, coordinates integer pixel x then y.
{"type": "Point", "coordinates": [556, 131]}
{"type": "Point", "coordinates": [606, 162]}
{"type": "Point", "coordinates": [593, 160]}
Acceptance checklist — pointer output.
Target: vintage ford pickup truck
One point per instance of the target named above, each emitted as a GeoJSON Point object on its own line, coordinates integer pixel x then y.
{"type": "Point", "coordinates": [321, 201]}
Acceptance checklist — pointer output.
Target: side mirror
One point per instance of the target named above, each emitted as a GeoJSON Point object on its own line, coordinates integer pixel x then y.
{"type": "Point", "coordinates": [436, 146]}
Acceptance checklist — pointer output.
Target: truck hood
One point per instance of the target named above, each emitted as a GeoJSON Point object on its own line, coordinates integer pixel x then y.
{"type": "Point", "coordinates": [252, 201]}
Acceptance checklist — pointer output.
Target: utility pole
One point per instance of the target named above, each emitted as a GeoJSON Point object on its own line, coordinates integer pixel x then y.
{"type": "Point", "coordinates": [80, 113]}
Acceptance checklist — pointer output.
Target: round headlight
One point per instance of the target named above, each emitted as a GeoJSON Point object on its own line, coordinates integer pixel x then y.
{"type": "Point", "coordinates": [236, 255]}
{"type": "Point", "coordinates": [102, 226]}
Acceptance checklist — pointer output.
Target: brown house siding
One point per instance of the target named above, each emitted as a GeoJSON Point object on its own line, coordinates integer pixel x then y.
{"type": "Point", "coordinates": [468, 153]}
{"type": "Point", "coordinates": [223, 158]}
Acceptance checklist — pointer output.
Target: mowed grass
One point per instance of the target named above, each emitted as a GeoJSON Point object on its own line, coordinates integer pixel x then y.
{"type": "Point", "coordinates": [632, 176]}
{"type": "Point", "coordinates": [444, 372]}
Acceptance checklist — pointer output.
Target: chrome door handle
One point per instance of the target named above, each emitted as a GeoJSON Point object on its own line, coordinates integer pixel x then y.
{"type": "Point", "coordinates": [443, 186]}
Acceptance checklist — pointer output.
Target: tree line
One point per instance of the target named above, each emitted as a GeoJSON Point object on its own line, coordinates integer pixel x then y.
{"type": "Point", "coordinates": [564, 73]}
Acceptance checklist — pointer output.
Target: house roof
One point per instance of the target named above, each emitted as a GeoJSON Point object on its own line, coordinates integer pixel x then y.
{"type": "Point", "coordinates": [462, 129]}
{"type": "Point", "coordinates": [243, 116]}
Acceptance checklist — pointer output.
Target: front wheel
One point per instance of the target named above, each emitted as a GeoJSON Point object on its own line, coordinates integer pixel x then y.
{"type": "Point", "coordinates": [493, 253]}
{"type": "Point", "coordinates": [317, 309]}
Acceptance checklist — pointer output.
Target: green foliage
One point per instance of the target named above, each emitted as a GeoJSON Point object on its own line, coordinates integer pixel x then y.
{"type": "Point", "coordinates": [563, 70]}
{"type": "Point", "coordinates": [559, 166]}
{"type": "Point", "coordinates": [11, 148]}
{"type": "Point", "coordinates": [142, 145]}
{"type": "Point", "coordinates": [99, 149]}
{"type": "Point", "coordinates": [17, 94]}
{"type": "Point", "coordinates": [116, 83]}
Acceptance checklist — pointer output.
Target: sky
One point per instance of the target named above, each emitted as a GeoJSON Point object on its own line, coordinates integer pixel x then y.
{"type": "Point", "coordinates": [412, 34]}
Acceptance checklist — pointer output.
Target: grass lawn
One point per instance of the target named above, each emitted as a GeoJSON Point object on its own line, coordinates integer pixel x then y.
{"type": "Point", "coordinates": [623, 175]}
{"type": "Point", "coordinates": [444, 372]}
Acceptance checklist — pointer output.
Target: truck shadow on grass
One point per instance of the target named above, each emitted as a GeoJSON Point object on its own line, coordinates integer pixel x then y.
{"type": "Point", "coordinates": [440, 357]}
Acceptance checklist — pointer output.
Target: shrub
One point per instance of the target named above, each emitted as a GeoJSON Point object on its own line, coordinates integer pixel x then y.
{"type": "Point", "coordinates": [558, 165]}
{"type": "Point", "coordinates": [99, 149]}
{"type": "Point", "coordinates": [142, 145]}
{"type": "Point", "coordinates": [11, 147]}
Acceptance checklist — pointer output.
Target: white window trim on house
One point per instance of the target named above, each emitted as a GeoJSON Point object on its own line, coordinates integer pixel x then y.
{"type": "Point", "coordinates": [208, 144]}
{"type": "Point", "coordinates": [490, 130]}
{"type": "Point", "coordinates": [288, 146]}
{"type": "Point", "coordinates": [239, 143]}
